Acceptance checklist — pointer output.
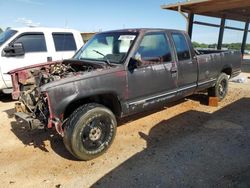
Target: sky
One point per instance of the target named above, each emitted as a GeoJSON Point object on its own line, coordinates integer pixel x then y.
{"type": "Point", "coordinates": [100, 15]}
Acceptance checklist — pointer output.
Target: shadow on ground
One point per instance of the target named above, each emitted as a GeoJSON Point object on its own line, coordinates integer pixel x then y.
{"type": "Point", "coordinates": [148, 112]}
{"type": "Point", "coordinates": [246, 66]}
{"type": "Point", "coordinates": [37, 138]}
{"type": "Point", "coordinates": [5, 98]}
{"type": "Point", "coordinates": [193, 149]}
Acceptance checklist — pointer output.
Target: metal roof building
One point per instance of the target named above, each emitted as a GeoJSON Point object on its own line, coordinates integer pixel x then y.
{"type": "Point", "coordinates": [238, 10]}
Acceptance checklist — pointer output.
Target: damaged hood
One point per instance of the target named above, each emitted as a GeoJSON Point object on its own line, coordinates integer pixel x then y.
{"type": "Point", "coordinates": [81, 77]}
{"type": "Point", "coordinates": [44, 76]}
{"type": "Point", "coordinates": [33, 66]}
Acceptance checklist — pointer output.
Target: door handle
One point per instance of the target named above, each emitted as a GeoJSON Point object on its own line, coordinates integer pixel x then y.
{"type": "Point", "coordinates": [49, 58]}
{"type": "Point", "coordinates": [173, 70]}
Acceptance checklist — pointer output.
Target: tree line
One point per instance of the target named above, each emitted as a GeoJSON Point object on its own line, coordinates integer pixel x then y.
{"type": "Point", "coordinates": [233, 46]}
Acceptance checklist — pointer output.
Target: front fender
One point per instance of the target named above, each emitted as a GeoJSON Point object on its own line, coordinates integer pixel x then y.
{"type": "Point", "coordinates": [62, 95]}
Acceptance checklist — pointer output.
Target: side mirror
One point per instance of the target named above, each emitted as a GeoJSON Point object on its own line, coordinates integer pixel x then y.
{"type": "Point", "coordinates": [14, 50]}
{"type": "Point", "coordinates": [133, 64]}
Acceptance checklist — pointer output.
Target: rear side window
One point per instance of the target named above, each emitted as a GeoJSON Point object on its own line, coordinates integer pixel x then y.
{"type": "Point", "coordinates": [32, 42]}
{"type": "Point", "coordinates": [181, 46]}
{"type": "Point", "coordinates": [154, 47]}
{"type": "Point", "coordinates": [64, 41]}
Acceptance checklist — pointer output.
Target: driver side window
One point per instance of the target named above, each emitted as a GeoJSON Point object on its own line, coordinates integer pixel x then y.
{"type": "Point", "coordinates": [32, 42]}
{"type": "Point", "coordinates": [154, 49]}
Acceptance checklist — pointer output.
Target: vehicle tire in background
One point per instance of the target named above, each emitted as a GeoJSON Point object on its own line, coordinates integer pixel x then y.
{"type": "Point", "coordinates": [90, 131]}
{"type": "Point", "coordinates": [221, 87]}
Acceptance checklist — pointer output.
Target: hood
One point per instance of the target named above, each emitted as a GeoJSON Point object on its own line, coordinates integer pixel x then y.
{"type": "Point", "coordinates": [46, 75]}
{"type": "Point", "coordinates": [33, 66]}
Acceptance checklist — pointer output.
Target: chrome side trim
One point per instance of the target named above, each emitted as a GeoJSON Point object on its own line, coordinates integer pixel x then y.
{"type": "Point", "coordinates": [162, 95]}
{"type": "Point", "coordinates": [150, 98]}
{"type": "Point", "coordinates": [206, 82]}
{"type": "Point", "coordinates": [187, 87]}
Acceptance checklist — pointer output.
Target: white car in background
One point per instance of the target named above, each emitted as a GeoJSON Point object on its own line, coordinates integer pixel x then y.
{"type": "Point", "coordinates": [21, 47]}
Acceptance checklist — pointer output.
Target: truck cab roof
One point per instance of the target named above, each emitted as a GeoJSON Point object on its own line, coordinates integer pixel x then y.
{"type": "Point", "coordinates": [138, 30]}
{"type": "Point", "coordinates": [39, 29]}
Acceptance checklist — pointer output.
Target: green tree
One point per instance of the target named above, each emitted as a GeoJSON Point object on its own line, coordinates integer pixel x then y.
{"type": "Point", "coordinates": [199, 45]}
{"type": "Point", "coordinates": [1, 30]}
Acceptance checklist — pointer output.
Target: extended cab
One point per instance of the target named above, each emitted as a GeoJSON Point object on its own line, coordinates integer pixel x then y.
{"type": "Point", "coordinates": [116, 74]}
{"type": "Point", "coordinates": [20, 47]}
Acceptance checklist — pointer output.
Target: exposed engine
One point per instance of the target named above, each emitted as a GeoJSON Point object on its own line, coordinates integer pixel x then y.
{"type": "Point", "coordinates": [36, 104]}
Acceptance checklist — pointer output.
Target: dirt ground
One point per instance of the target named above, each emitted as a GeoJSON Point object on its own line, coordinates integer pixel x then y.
{"type": "Point", "coordinates": [188, 144]}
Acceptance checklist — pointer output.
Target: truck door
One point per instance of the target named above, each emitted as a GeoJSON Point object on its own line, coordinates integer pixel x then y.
{"type": "Point", "coordinates": [187, 66]}
{"type": "Point", "coordinates": [154, 78]}
{"type": "Point", "coordinates": [35, 49]}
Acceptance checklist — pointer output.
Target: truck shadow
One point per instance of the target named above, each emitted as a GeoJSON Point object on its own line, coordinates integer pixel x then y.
{"type": "Point", "coordinates": [193, 149]}
{"type": "Point", "coordinates": [246, 66]}
{"type": "Point", "coordinates": [202, 98]}
{"type": "Point", "coordinates": [38, 139]}
{"type": "Point", "coordinates": [5, 98]}
{"type": "Point", "coordinates": [137, 116]}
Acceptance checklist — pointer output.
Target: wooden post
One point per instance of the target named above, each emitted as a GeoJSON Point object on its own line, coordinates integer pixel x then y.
{"type": "Point", "coordinates": [221, 33]}
{"type": "Point", "coordinates": [190, 24]}
{"type": "Point", "coordinates": [243, 45]}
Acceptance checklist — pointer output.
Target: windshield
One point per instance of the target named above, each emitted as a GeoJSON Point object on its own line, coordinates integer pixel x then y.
{"type": "Point", "coordinates": [107, 47]}
{"type": "Point", "coordinates": [4, 36]}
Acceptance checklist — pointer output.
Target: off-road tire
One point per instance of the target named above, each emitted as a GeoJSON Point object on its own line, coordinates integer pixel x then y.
{"type": "Point", "coordinates": [84, 119]}
{"type": "Point", "coordinates": [221, 87]}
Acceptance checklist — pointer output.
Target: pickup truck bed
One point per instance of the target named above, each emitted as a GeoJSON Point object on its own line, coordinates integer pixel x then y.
{"type": "Point", "coordinates": [209, 62]}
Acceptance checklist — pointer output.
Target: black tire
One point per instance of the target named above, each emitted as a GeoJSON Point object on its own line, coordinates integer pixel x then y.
{"type": "Point", "coordinates": [221, 87]}
{"type": "Point", "coordinates": [90, 131]}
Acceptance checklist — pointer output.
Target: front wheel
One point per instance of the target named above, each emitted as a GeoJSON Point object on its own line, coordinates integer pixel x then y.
{"type": "Point", "coordinates": [221, 87]}
{"type": "Point", "coordinates": [90, 131]}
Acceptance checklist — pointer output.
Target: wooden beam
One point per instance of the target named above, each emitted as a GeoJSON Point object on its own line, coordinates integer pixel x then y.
{"type": "Point", "coordinates": [234, 28]}
{"type": "Point", "coordinates": [206, 24]}
{"type": "Point", "coordinates": [226, 15]}
{"type": "Point", "coordinates": [217, 25]}
{"type": "Point", "coordinates": [218, 5]}
{"type": "Point", "coordinates": [175, 5]}
{"type": "Point", "coordinates": [244, 39]}
{"type": "Point", "coordinates": [221, 33]}
{"type": "Point", "coordinates": [230, 9]}
{"type": "Point", "coordinates": [190, 24]}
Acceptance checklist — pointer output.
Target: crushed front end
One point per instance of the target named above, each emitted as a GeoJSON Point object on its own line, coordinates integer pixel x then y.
{"type": "Point", "coordinates": [36, 115]}
{"type": "Point", "coordinates": [35, 105]}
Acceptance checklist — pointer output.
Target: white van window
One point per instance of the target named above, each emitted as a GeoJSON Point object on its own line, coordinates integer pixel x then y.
{"type": "Point", "coordinates": [64, 41]}
{"type": "Point", "coordinates": [32, 42]}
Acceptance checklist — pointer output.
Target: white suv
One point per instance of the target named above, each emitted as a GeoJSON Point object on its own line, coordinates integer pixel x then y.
{"type": "Point", "coordinates": [21, 47]}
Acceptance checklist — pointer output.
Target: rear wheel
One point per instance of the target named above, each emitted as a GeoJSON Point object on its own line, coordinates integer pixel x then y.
{"type": "Point", "coordinates": [90, 131]}
{"type": "Point", "coordinates": [221, 87]}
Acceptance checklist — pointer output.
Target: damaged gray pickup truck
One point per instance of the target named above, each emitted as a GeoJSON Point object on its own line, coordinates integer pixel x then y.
{"type": "Point", "coordinates": [116, 74]}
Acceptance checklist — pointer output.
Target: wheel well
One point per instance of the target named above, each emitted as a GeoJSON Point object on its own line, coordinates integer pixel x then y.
{"type": "Point", "coordinates": [228, 71]}
{"type": "Point", "coordinates": [109, 100]}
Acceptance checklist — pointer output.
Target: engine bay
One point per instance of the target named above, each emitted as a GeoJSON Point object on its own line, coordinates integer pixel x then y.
{"type": "Point", "coordinates": [30, 80]}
